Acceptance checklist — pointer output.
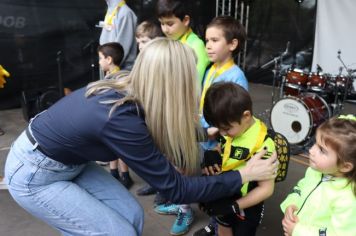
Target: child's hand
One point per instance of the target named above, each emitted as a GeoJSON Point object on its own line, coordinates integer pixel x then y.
{"type": "Point", "coordinates": [290, 220]}
{"type": "Point", "coordinates": [212, 162]}
{"type": "Point", "coordinates": [212, 133]}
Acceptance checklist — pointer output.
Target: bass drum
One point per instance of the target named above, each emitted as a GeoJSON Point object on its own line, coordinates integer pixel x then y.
{"type": "Point", "coordinates": [298, 117]}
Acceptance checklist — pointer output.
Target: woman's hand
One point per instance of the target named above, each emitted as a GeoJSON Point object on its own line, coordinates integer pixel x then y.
{"type": "Point", "coordinates": [257, 169]}
{"type": "Point", "coordinates": [290, 220]}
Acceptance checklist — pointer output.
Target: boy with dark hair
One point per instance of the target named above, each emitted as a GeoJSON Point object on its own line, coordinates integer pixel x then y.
{"type": "Point", "coordinates": [175, 19]}
{"type": "Point", "coordinates": [110, 57]}
{"type": "Point", "coordinates": [224, 37]}
{"type": "Point", "coordinates": [228, 107]}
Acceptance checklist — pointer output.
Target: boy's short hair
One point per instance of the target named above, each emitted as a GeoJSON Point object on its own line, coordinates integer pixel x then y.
{"type": "Point", "coordinates": [148, 29]}
{"type": "Point", "coordinates": [113, 50]}
{"type": "Point", "coordinates": [231, 28]}
{"type": "Point", "coordinates": [177, 8]}
{"type": "Point", "coordinates": [225, 102]}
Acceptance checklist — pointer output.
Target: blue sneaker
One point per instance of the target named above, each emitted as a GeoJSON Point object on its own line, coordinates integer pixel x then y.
{"type": "Point", "coordinates": [182, 223]}
{"type": "Point", "coordinates": [167, 209]}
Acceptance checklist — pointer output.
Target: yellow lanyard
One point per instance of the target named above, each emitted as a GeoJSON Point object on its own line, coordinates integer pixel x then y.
{"type": "Point", "coordinates": [213, 73]}
{"type": "Point", "coordinates": [116, 69]}
{"type": "Point", "coordinates": [227, 149]}
{"type": "Point", "coordinates": [109, 18]}
{"type": "Point", "coordinates": [185, 36]}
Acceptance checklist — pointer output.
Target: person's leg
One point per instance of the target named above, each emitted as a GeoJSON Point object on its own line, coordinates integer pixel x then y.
{"type": "Point", "coordinates": [224, 231]}
{"type": "Point", "coordinates": [125, 175]}
{"type": "Point", "coordinates": [98, 182]}
{"type": "Point", "coordinates": [114, 171]}
{"type": "Point", "coordinates": [44, 188]}
{"type": "Point", "coordinates": [244, 227]}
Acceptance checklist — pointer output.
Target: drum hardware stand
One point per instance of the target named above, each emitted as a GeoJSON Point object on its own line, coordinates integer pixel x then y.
{"type": "Point", "coordinates": [60, 80]}
{"type": "Point", "coordinates": [276, 71]}
{"type": "Point", "coordinates": [347, 82]}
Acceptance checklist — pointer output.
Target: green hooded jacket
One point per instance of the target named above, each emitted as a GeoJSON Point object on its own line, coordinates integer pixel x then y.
{"type": "Point", "coordinates": [326, 205]}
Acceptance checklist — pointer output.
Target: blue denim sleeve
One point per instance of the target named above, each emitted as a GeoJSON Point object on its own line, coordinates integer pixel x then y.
{"type": "Point", "coordinates": [126, 134]}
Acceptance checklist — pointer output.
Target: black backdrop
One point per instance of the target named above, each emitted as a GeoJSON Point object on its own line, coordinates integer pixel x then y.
{"type": "Point", "coordinates": [33, 31]}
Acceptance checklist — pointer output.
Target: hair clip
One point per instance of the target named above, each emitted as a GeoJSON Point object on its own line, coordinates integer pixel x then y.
{"type": "Point", "coordinates": [347, 117]}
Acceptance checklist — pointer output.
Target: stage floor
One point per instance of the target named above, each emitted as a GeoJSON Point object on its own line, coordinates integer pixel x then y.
{"type": "Point", "coordinates": [14, 221]}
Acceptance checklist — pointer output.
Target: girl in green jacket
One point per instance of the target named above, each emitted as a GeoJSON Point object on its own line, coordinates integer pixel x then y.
{"type": "Point", "coordinates": [324, 201]}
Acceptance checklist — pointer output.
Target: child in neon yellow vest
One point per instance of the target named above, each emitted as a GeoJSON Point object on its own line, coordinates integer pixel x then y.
{"type": "Point", "coordinates": [324, 201]}
{"type": "Point", "coordinates": [228, 107]}
{"type": "Point", "coordinates": [175, 18]}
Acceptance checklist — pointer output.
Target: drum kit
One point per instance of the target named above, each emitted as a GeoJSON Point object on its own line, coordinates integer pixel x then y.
{"type": "Point", "coordinates": [307, 99]}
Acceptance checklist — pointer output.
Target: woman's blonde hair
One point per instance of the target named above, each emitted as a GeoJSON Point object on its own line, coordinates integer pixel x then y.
{"type": "Point", "coordinates": [164, 82]}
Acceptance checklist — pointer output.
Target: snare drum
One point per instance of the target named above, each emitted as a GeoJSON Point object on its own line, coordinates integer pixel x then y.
{"type": "Point", "coordinates": [297, 117]}
{"type": "Point", "coordinates": [295, 82]}
{"type": "Point", "coordinates": [317, 82]}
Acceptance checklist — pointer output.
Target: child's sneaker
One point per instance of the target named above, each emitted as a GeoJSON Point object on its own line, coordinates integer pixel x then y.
{"type": "Point", "coordinates": [167, 209]}
{"type": "Point", "coordinates": [182, 223]}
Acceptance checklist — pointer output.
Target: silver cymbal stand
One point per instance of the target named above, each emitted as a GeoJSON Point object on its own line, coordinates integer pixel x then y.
{"type": "Point", "coordinates": [276, 72]}
{"type": "Point", "coordinates": [347, 83]}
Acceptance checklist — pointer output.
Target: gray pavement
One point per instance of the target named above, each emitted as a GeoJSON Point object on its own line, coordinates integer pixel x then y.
{"type": "Point", "coordinates": [14, 221]}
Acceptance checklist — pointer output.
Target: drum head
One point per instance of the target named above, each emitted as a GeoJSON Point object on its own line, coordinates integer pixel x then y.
{"type": "Point", "coordinates": [290, 117]}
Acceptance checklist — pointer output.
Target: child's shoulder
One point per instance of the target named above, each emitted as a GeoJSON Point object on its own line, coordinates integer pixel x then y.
{"type": "Point", "coordinates": [194, 39]}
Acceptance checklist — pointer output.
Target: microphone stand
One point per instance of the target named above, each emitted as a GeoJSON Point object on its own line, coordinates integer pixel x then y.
{"type": "Point", "coordinates": [92, 61]}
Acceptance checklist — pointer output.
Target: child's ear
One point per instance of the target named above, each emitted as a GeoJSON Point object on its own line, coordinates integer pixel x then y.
{"type": "Point", "coordinates": [109, 58]}
{"type": "Point", "coordinates": [247, 114]}
{"type": "Point", "coordinates": [186, 20]}
{"type": "Point", "coordinates": [233, 45]}
{"type": "Point", "coordinates": [346, 167]}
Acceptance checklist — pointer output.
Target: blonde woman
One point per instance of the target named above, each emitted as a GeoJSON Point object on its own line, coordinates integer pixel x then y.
{"type": "Point", "coordinates": [50, 170]}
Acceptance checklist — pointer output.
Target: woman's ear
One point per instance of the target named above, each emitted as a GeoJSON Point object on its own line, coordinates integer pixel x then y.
{"type": "Point", "coordinates": [233, 45]}
{"type": "Point", "coordinates": [346, 167]}
{"type": "Point", "coordinates": [186, 20]}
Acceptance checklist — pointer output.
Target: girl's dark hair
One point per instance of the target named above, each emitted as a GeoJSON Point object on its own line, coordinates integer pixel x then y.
{"type": "Point", "coordinates": [231, 28]}
{"type": "Point", "coordinates": [340, 135]}
{"type": "Point", "coordinates": [225, 102]}
{"type": "Point", "coordinates": [113, 50]}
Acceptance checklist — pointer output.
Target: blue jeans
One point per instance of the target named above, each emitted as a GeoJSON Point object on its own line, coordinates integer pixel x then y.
{"type": "Point", "coordinates": [75, 199]}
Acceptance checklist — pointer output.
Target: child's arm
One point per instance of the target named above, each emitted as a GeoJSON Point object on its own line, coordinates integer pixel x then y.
{"type": "Point", "coordinates": [263, 191]}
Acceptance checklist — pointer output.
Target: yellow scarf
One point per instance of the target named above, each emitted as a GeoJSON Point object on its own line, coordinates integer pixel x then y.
{"type": "Point", "coordinates": [185, 36]}
{"type": "Point", "coordinates": [227, 149]}
{"type": "Point", "coordinates": [110, 17]}
{"type": "Point", "coordinates": [213, 73]}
